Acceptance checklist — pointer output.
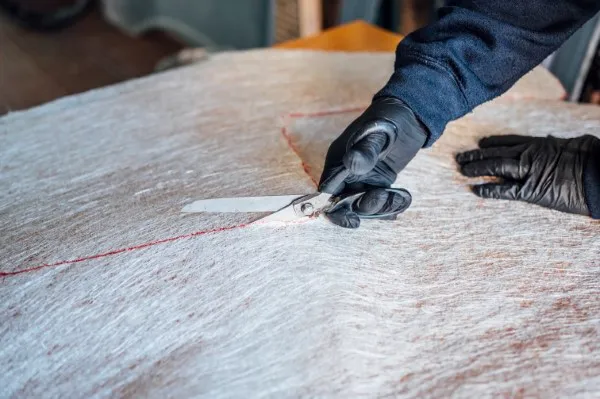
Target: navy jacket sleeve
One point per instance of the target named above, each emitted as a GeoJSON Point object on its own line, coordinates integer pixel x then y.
{"type": "Point", "coordinates": [476, 51]}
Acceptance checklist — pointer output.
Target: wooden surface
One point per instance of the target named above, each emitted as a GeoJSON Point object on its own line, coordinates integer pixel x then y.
{"type": "Point", "coordinates": [311, 17]}
{"type": "Point", "coordinates": [36, 68]}
{"type": "Point", "coordinates": [414, 14]}
{"type": "Point", "coordinates": [354, 36]}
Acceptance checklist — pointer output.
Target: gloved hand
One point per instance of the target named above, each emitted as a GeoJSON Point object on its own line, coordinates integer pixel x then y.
{"type": "Point", "coordinates": [545, 171]}
{"type": "Point", "coordinates": [353, 162]}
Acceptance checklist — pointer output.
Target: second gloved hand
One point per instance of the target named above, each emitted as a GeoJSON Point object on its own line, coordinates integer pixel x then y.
{"type": "Point", "coordinates": [362, 158]}
{"type": "Point", "coordinates": [545, 171]}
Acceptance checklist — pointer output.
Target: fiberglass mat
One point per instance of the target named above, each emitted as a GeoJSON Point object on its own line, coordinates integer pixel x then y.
{"type": "Point", "coordinates": [107, 290]}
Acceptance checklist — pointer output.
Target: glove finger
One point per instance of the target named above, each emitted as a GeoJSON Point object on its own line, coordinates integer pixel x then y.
{"type": "Point", "coordinates": [359, 187]}
{"type": "Point", "coordinates": [505, 168]}
{"type": "Point", "coordinates": [380, 201]}
{"type": "Point", "coordinates": [585, 143]}
{"type": "Point", "coordinates": [333, 180]}
{"type": "Point", "coordinates": [505, 141]}
{"type": "Point", "coordinates": [377, 178]}
{"type": "Point", "coordinates": [505, 191]}
{"type": "Point", "coordinates": [362, 157]}
{"type": "Point", "coordinates": [344, 217]}
{"type": "Point", "coordinates": [488, 153]}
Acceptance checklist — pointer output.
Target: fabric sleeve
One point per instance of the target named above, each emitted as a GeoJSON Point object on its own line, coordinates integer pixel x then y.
{"type": "Point", "coordinates": [475, 51]}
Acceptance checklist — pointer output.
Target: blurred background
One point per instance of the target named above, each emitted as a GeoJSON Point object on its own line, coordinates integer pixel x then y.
{"type": "Point", "coordinates": [53, 48]}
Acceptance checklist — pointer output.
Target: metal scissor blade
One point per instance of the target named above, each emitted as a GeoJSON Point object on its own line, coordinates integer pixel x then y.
{"type": "Point", "coordinates": [286, 214]}
{"type": "Point", "coordinates": [307, 206]}
{"type": "Point", "coordinates": [272, 203]}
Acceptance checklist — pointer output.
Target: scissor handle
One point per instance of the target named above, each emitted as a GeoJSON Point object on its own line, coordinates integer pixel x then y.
{"type": "Point", "coordinates": [351, 200]}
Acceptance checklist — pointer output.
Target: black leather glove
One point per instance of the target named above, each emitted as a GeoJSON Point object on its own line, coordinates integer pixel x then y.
{"type": "Point", "coordinates": [363, 159]}
{"type": "Point", "coordinates": [545, 171]}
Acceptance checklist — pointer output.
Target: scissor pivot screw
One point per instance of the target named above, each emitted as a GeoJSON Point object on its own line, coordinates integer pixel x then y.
{"type": "Point", "coordinates": [307, 209]}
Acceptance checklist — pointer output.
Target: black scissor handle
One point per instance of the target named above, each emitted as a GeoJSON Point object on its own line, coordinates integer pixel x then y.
{"type": "Point", "coordinates": [350, 200]}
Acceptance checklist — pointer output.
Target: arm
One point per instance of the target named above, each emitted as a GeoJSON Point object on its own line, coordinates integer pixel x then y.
{"type": "Point", "coordinates": [476, 51]}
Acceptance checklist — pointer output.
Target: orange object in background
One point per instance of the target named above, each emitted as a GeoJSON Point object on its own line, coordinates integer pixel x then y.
{"type": "Point", "coordinates": [354, 36]}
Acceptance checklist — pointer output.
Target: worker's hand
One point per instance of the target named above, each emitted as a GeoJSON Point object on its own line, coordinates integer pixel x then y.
{"type": "Point", "coordinates": [545, 171]}
{"type": "Point", "coordinates": [362, 158]}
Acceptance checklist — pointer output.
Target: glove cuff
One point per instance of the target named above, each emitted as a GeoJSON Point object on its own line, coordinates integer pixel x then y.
{"type": "Point", "coordinates": [591, 184]}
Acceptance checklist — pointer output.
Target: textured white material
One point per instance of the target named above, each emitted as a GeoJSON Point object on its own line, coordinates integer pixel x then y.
{"type": "Point", "coordinates": [109, 292]}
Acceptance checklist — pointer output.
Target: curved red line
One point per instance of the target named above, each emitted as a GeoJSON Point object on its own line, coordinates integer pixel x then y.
{"type": "Point", "coordinates": [290, 143]}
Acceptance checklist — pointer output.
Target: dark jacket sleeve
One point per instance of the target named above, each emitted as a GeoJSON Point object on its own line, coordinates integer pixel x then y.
{"type": "Point", "coordinates": [476, 51]}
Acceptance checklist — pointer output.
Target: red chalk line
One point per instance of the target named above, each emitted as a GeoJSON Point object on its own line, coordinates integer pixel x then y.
{"type": "Point", "coordinates": [293, 147]}
{"type": "Point", "coordinates": [122, 250]}
{"type": "Point", "coordinates": [325, 113]}
{"type": "Point", "coordinates": [289, 142]}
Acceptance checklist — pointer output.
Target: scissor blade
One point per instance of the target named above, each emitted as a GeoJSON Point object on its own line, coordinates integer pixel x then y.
{"type": "Point", "coordinates": [286, 214]}
{"type": "Point", "coordinates": [316, 202]}
{"type": "Point", "coordinates": [241, 204]}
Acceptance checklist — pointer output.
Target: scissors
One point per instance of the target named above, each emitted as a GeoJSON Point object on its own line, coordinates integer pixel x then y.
{"type": "Point", "coordinates": [285, 208]}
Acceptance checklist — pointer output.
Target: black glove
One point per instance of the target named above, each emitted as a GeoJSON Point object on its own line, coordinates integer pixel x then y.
{"type": "Point", "coordinates": [354, 164]}
{"type": "Point", "coordinates": [545, 171]}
